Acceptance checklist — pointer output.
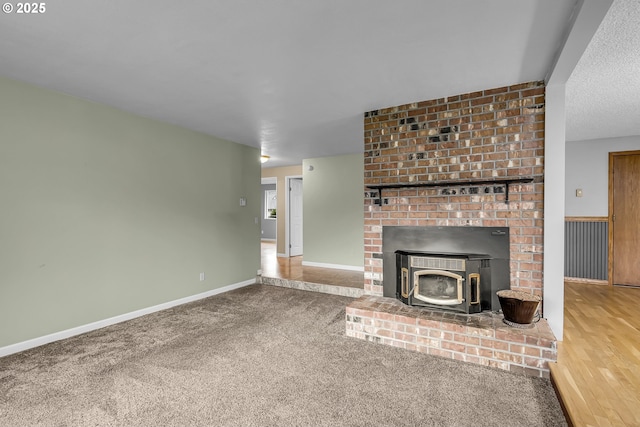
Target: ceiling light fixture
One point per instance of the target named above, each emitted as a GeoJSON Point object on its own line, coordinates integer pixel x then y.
{"type": "Point", "coordinates": [264, 158]}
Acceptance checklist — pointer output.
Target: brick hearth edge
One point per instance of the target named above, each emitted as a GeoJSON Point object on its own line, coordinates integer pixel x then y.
{"type": "Point", "coordinates": [482, 339]}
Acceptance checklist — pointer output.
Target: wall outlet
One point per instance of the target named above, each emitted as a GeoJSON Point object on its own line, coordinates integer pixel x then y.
{"type": "Point", "coordinates": [202, 277]}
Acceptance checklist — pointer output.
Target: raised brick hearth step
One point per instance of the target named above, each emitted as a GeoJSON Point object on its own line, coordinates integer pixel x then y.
{"type": "Point", "coordinates": [483, 339]}
{"type": "Point", "coordinates": [344, 291]}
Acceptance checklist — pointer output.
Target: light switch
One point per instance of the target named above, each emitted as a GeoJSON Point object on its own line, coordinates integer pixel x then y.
{"type": "Point", "coordinates": [578, 192]}
{"type": "Point", "coordinates": [243, 201]}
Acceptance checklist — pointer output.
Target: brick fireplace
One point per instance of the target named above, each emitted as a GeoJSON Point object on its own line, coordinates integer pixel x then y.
{"type": "Point", "coordinates": [494, 133]}
{"type": "Point", "coordinates": [474, 159]}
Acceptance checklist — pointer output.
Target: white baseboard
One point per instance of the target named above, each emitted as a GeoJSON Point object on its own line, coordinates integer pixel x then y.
{"type": "Point", "coordinates": [587, 281]}
{"type": "Point", "coordinates": [36, 342]}
{"type": "Point", "coordinates": [335, 266]}
{"type": "Point", "coordinates": [283, 255]}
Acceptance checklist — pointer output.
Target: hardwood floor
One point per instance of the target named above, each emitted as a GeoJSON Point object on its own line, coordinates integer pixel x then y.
{"type": "Point", "coordinates": [598, 370]}
{"type": "Point", "coordinates": [292, 269]}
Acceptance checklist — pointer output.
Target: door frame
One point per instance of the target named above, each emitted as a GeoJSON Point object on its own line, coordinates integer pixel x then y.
{"type": "Point", "coordinates": [287, 237]}
{"type": "Point", "coordinates": [612, 155]}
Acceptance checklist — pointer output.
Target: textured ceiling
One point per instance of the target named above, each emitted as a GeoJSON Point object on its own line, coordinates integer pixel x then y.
{"type": "Point", "coordinates": [603, 93]}
{"type": "Point", "coordinates": [292, 77]}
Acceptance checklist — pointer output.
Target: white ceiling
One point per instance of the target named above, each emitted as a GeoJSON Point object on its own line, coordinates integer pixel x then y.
{"type": "Point", "coordinates": [295, 77]}
{"type": "Point", "coordinates": [603, 93]}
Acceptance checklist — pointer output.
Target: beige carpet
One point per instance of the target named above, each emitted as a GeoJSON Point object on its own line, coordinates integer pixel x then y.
{"type": "Point", "coordinates": [257, 356]}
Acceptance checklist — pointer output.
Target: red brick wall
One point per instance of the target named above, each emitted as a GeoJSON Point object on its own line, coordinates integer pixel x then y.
{"type": "Point", "coordinates": [495, 133]}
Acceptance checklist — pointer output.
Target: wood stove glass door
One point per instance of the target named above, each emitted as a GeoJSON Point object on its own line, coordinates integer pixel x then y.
{"type": "Point", "coordinates": [438, 287]}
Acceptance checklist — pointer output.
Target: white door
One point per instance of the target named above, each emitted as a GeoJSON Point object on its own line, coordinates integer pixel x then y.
{"type": "Point", "coordinates": [295, 216]}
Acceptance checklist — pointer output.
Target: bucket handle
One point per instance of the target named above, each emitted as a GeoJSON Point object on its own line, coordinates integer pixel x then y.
{"type": "Point", "coordinates": [537, 317]}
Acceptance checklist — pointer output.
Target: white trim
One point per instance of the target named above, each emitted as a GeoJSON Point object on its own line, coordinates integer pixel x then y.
{"type": "Point", "coordinates": [268, 240]}
{"type": "Point", "coordinates": [554, 208]}
{"type": "Point", "coordinates": [282, 255]}
{"type": "Point", "coordinates": [56, 336]}
{"type": "Point", "coordinates": [269, 180]}
{"type": "Point", "coordinates": [334, 266]}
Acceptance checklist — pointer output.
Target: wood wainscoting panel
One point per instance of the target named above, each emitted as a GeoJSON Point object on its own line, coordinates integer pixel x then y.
{"type": "Point", "coordinates": [586, 219]}
{"type": "Point", "coordinates": [586, 248]}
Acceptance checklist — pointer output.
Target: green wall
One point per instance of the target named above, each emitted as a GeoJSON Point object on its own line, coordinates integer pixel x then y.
{"type": "Point", "coordinates": [333, 195]}
{"type": "Point", "coordinates": [103, 212]}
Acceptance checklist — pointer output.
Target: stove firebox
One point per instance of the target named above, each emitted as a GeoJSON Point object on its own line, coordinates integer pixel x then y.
{"type": "Point", "coordinates": [445, 281]}
{"type": "Point", "coordinates": [453, 247]}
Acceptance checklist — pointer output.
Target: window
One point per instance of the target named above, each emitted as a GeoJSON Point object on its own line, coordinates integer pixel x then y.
{"type": "Point", "coordinates": [270, 204]}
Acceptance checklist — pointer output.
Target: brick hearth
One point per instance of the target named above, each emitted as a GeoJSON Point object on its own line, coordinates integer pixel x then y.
{"type": "Point", "coordinates": [481, 339]}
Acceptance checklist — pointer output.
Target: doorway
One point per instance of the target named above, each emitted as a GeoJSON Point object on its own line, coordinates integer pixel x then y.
{"type": "Point", "coordinates": [624, 218]}
{"type": "Point", "coordinates": [269, 210]}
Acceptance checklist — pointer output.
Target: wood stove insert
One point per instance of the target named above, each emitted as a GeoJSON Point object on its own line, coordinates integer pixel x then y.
{"type": "Point", "coordinates": [445, 281]}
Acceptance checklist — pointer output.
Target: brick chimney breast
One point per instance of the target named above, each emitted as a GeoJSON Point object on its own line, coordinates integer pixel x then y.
{"type": "Point", "coordinates": [490, 134]}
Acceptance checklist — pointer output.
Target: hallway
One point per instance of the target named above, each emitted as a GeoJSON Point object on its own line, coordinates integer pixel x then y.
{"type": "Point", "coordinates": [292, 269]}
